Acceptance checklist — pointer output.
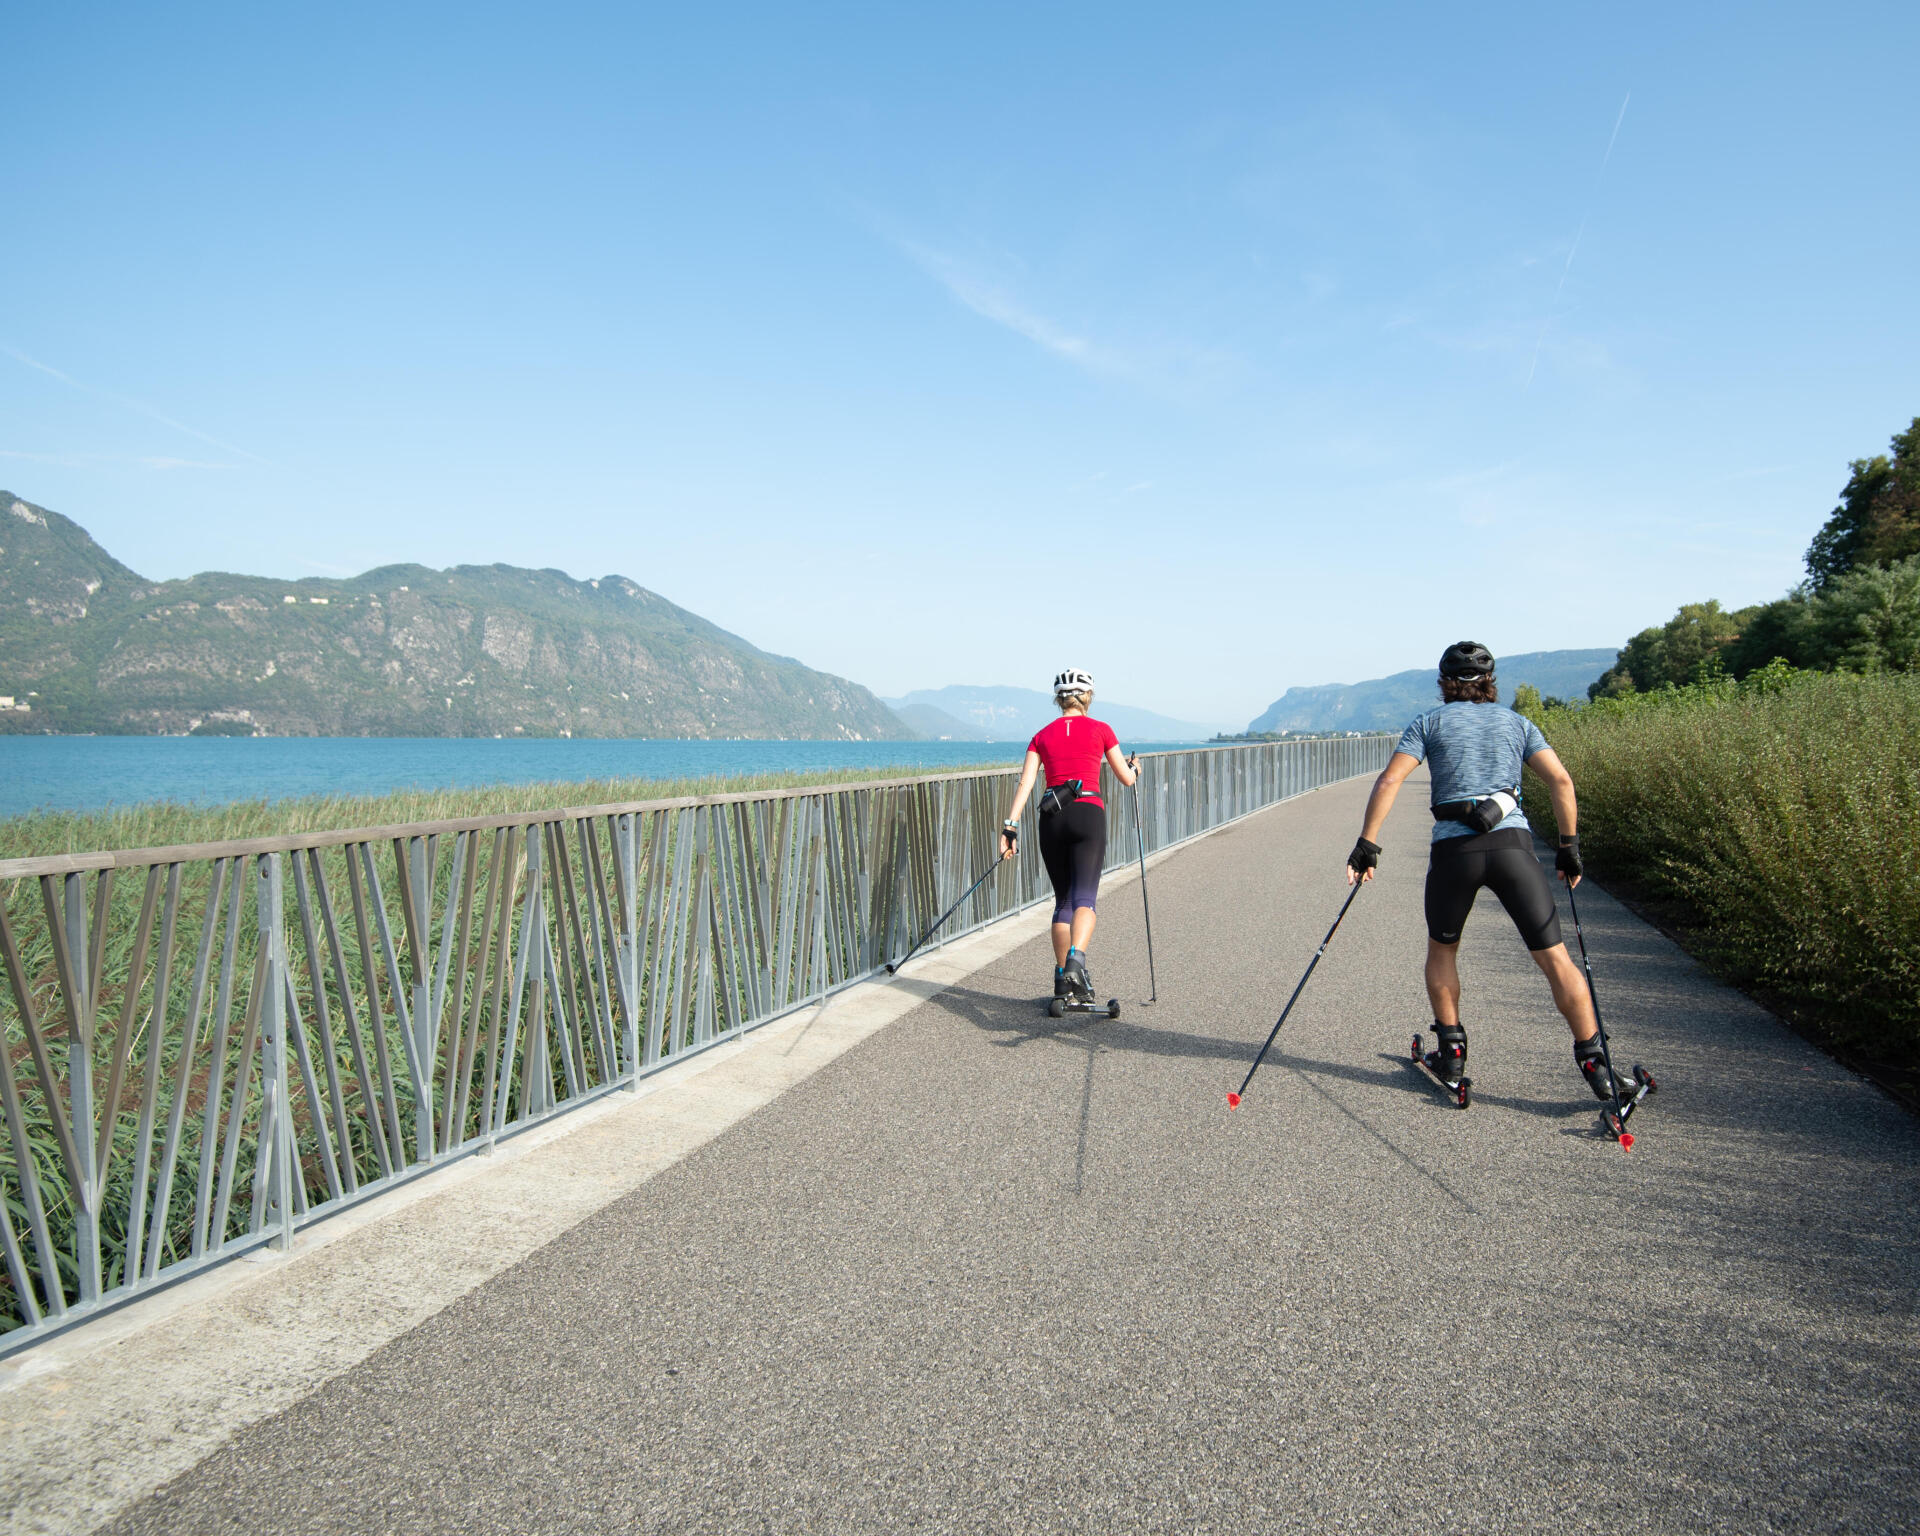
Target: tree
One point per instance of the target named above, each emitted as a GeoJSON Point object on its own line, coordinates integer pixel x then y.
{"type": "Point", "coordinates": [1641, 667]}
{"type": "Point", "coordinates": [1695, 637]}
{"type": "Point", "coordinates": [1858, 611]}
{"type": "Point", "coordinates": [1878, 519]}
{"type": "Point", "coordinates": [1673, 654]}
{"type": "Point", "coordinates": [1869, 619]}
{"type": "Point", "coordinates": [1783, 628]}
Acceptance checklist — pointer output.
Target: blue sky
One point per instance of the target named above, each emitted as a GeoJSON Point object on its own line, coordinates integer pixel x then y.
{"type": "Point", "coordinates": [1217, 349]}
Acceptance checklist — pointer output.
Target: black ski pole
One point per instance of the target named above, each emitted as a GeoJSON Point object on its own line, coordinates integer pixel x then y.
{"type": "Point", "coordinates": [1153, 985]}
{"type": "Point", "coordinates": [1606, 1054]}
{"type": "Point", "coordinates": [894, 965]}
{"type": "Point", "coordinates": [1233, 1099]}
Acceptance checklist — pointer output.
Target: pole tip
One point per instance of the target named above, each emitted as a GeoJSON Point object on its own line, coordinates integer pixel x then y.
{"type": "Point", "coordinates": [889, 967]}
{"type": "Point", "coordinates": [1233, 1101]}
{"type": "Point", "coordinates": [1626, 1141]}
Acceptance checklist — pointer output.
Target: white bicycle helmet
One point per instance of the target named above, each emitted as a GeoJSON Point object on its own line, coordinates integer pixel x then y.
{"type": "Point", "coordinates": [1073, 680]}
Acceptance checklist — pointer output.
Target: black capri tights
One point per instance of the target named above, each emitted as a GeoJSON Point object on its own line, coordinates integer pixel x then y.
{"type": "Point", "coordinates": [1073, 844]}
{"type": "Point", "coordinates": [1503, 862]}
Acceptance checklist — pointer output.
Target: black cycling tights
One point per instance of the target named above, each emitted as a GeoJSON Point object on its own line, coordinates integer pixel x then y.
{"type": "Point", "coordinates": [1504, 862]}
{"type": "Point", "coordinates": [1073, 842]}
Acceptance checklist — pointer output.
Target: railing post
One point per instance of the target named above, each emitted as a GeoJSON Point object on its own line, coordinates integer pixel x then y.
{"type": "Point", "coordinates": [627, 850]}
{"type": "Point", "coordinates": [77, 983]}
{"type": "Point", "coordinates": [900, 920]}
{"type": "Point", "coordinates": [277, 1141]}
{"type": "Point", "coordinates": [426, 1028]}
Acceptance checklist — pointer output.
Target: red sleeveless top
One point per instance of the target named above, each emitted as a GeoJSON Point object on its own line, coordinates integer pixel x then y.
{"type": "Point", "coordinates": [1072, 748]}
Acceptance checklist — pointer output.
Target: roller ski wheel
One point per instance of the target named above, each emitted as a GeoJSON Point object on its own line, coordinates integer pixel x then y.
{"type": "Point", "coordinates": [1060, 1007]}
{"type": "Point", "coordinates": [1615, 1120]}
{"type": "Point", "coordinates": [1429, 1062]}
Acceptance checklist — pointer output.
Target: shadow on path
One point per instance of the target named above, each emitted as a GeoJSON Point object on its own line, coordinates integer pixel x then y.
{"type": "Point", "coordinates": [1386, 1141]}
{"type": "Point", "coordinates": [1094, 1049]}
{"type": "Point", "coordinates": [1408, 1078]}
{"type": "Point", "coordinates": [1028, 1023]}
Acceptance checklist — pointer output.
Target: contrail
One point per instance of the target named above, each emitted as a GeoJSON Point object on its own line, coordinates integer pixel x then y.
{"type": "Point", "coordinates": [130, 404]}
{"type": "Point", "coordinates": [1574, 249]}
{"type": "Point", "coordinates": [1615, 138]}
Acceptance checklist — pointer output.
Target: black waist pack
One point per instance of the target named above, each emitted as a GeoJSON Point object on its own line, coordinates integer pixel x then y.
{"type": "Point", "coordinates": [1481, 815]}
{"type": "Point", "coordinates": [1059, 796]}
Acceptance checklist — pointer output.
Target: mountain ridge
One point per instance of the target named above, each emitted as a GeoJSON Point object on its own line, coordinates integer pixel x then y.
{"type": "Point", "coordinates": [1002, 713]}
{"type": "Point", "coordinates": [1388, 703]}
{"type": "Point", "coordinates": [88, 644]}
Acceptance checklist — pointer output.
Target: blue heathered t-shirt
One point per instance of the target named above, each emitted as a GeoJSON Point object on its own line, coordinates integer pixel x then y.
{"type": "Point", "coordinates": [1471, 750]}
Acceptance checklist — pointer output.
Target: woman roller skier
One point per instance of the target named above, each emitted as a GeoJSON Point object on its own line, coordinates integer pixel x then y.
{"type": "Point", "coordinates": [1474, 748]}
{"type": "Point", "coordinates": [1073, 822]}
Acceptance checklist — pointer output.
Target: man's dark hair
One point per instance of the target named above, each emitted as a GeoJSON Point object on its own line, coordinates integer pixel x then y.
{"type": "Point", "coordinates": [1470, 690]}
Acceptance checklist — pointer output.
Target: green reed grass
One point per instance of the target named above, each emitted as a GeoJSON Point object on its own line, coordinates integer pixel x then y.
{"type": "Point", "coordinates": [1778, 822]}
{"type": "Point", "coordinates": [162, 823]}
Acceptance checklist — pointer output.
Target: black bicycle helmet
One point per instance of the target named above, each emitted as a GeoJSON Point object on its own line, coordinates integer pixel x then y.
{"type": "Point", "coordinates": [1466, 659]}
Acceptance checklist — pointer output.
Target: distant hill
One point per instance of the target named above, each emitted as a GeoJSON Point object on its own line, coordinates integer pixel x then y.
{"type": "Point", "coordinates": [1014, 714]}
{"type": "Point", "coordinates": [1388, 703]}
{"type": "Point", "coordinates": [937, 724]}
{"type": "Point", "coordinates": [90, 645]}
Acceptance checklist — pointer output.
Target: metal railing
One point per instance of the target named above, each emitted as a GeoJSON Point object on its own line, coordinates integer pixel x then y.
{"type": "Point", "coordinates": [197, 1065]}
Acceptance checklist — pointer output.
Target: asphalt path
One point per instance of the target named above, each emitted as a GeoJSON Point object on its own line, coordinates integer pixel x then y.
{"type": "Point", "coordinates": [994, 1272]}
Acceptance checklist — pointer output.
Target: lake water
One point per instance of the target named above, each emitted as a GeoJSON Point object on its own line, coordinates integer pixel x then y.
{"type": "Point", "coordinates": [92, 772]}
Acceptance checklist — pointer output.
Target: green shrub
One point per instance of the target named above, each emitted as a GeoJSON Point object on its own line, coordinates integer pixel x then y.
{"type": "Point", "coordinates": [1778, 820]}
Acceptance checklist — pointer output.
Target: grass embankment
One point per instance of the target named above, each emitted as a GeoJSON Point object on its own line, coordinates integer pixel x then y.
{"type": "Point", "coordinates": [161, 824]}
{"type": "Point", "coordinates": [1774, 824]}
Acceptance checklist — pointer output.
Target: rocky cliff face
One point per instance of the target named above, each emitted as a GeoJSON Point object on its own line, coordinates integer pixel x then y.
{"type": "Point", "coordinates": [89, 645]}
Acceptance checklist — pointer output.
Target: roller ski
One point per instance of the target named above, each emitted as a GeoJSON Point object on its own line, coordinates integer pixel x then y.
{"type": "Point", "coordinates": [1073, 990]}
{"type": "Point", "coordinates": [1622, 1095]}
{"type": "Point", "coordinates": [1446, 1065]}
{"type": "Point", "coordinates": [1619, 1096]}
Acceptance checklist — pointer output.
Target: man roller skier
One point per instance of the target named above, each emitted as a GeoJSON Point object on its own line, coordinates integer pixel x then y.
{"type": "Point", "coordinates": [1474, 748]}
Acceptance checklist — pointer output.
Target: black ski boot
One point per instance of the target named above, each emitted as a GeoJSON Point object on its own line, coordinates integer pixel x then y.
{"type": "Point", "coordinates": [1073, 990]}
{"type": "Point", "coordinates": [1614, 1110]}
{"type": "Point", "coordinates": [1074, 973]}
{"type": "Point", "coordinates": [1588, 1058]}
{"type": "Point", "coordinates": [1447, 1066]}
